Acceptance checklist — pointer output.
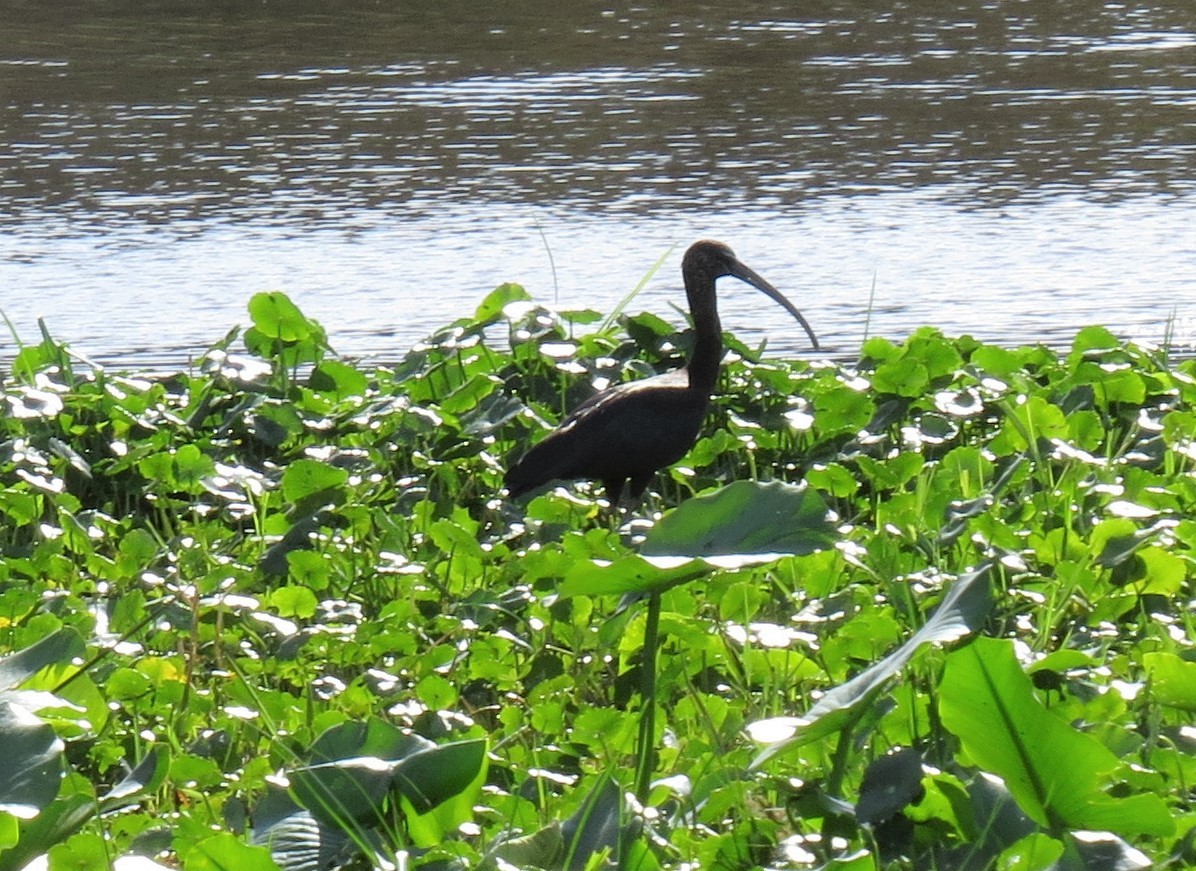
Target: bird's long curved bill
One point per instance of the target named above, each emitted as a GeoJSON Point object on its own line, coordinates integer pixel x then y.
{"type": "Point", "coordinates": [744, 274]}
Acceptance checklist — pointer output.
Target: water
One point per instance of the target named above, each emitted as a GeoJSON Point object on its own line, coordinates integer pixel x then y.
{"type": "Point", "coordinates": [1008, 172]}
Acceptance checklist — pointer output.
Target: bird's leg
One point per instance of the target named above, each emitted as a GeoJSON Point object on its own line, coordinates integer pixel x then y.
{"type": "Point", "coordinates": [613, 490]}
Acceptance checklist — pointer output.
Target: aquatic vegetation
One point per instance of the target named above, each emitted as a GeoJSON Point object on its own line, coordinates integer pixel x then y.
{"type": "Point", "coordinates": [929, 609]}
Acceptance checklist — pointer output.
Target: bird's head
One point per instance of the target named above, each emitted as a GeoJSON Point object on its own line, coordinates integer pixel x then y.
{"type": "Point", "coordinates": [710, 259]}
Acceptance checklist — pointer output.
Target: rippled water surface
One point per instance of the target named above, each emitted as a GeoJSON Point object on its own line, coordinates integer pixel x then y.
{"type": "Point", "coordinates": [1010, 170]}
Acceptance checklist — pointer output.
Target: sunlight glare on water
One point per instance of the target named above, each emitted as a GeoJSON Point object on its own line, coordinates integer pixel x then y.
{"type": "Point", "coordinates": [1009, 177]}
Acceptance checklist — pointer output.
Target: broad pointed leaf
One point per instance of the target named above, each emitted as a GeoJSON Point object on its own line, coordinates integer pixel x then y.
{"type": "Point", "coordinates": [1056, 773]}
{"type": "Point", "coordinates": [74, 806]}
{"type": "Point", "coordinates": [962, 610]}
{"type": "Point", "coordinates": [373, 737]}
{"type": "Point", "coordinates": [59, 646]}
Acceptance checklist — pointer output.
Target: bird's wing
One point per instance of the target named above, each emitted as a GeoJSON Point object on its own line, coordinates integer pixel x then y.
{"type": "Point", "coordinates": [630, 429]}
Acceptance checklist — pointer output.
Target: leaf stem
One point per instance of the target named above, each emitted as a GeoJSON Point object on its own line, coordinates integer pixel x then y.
{"type": "Point", "coordinates": [646, 751]}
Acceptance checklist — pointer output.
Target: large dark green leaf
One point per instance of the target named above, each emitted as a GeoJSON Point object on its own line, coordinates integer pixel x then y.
{"type": "Point", "coordinates": [58, 821]}
{"type": "Point", "coordinates": [360, 764]}
{"type": "Point", "coordinates": [299, 841]}
{"type": "Point", "coordinates": [890, 784]}
{"type": "Point", "coordinates": [373, 737]}
{"type": "Point", "coordinates": [32, 767]}
{"type": "Point", "coordinates": [744, 522]}
{"type": "Point", "coordinates": [433, 776]}
{"type": "Point", "coordinates": [145, 777]}
{"type": "Point", "coordinates": [629, 574]}
{"type": "Point", "coordinates": [344, 792]}
{"type": "Point", "coordinates": [597, 826]}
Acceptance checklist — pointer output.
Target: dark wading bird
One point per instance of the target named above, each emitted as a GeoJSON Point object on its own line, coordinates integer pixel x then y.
{"type": "Point", "coordinates": [629, 431]}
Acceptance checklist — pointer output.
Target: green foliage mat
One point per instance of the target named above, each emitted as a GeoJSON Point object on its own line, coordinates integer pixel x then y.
{"type": "Point", "coordinates": [930, 609]}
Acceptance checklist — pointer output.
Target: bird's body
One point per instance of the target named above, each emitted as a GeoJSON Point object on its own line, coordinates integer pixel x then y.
{"type": "Point", "coordinates": [629, 431]}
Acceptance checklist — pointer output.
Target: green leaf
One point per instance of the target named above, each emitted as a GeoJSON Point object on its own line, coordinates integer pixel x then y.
{"type": "Point", "coordinates": [306, 477]}
{"type": "Point", "coordinates": [339, 379]}
{"type": "Point", "coordinates": [1055, 772]}
{"type": "Point", "coordinates": [491, 308]}
{"type": "Point", "coordinates": [227, 852]}
{"type": "Point", "coordinates": [145, 777]}
{"type": "Point", "coordinates": [543, 848]}
{"type": "Point", "coordinates": [157, 467]}
{"type": "Point", "coordinates": [902, 377]}
{"type": "Point", "coordinates": [191, 465]}
{"type": "Point", "coordinates": [1172, 679]}
{"type": "Point", "coordinates": [744, 518]}
{"type": "Point", "coordinates": [294, 601]}
{"type": "Point", "coordinates": [85, 851]}
{"type": "Point", "coordinates": [1094, 338]}
{"type": "Point", "coordinates": [10, 831]}
{"type": "Point", "coordinates": [595, 828]}
{"type": "Point", "coordinates": [833, 479]}
{"type": "Point", "coordinates": [136, 550]}
{"type": "Point", "coordinates": [275, 316]}
{"type": "Point", "coordinates": [879, 349]}
{"type": "Point", "coordinates": [275, 560]}
{"type": "Point", "coordinates": [374, 737]}
{"type": "Point", "coordinates": [842, 409]}
{"type": "Point", "coordinates": [470, 394]}
{"type": "Point", "coordinates": [298, 840]}
{"type": "Point", "coordinates": [359, 764]}
{"type": "Point", "coordinates": [890, 784]}
{"type": "Point", "coordinates": [892, 473]}
{"type": "Point", "coordinates": [1033, 419]}
{"type": "Point", "coordinates": [1032, 853]}
{"type": "Point", "coordinates": [75, 805]}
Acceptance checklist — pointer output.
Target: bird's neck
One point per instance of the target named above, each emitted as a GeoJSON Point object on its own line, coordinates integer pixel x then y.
{"type": "Point", "coordinates": [708, 341]}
